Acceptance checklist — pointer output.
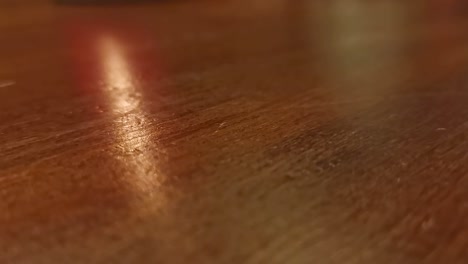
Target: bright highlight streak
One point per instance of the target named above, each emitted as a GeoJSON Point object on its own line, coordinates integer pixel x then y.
{"type": "Point", "coordinates": [131, 127]}
{"type": "Point", "coordinates": [118, 76]}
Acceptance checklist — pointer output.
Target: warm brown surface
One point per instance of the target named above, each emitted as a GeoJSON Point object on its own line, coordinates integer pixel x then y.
{"type": "Point", "coordinates": [267, 131]}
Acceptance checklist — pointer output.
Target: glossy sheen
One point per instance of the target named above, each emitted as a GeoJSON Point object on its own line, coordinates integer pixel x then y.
{"type": "Point", "coordinates": [266, 131]}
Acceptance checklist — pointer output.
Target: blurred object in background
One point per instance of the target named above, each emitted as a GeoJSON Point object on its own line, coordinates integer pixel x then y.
{"type": "Point", "coordinates": [98, 2]}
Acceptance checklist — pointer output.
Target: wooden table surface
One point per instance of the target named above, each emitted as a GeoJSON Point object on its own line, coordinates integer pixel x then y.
{"type": "Point", "coordinates": [266, 131]}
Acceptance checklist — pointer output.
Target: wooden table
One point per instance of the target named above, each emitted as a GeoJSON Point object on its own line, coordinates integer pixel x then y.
{"type": "Point", "coordinates": [266, 131]}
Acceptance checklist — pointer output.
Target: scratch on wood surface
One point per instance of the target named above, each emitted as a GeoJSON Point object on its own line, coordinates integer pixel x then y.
{"type": "Point", "coordinates": [4, 84]}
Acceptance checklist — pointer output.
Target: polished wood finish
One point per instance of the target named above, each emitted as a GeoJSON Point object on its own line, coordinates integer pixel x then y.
{"type": "Point", "coordinates": [267, 131]}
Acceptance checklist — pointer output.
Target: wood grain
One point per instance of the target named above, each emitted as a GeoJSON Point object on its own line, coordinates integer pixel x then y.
{"type": "Point", "coordinates": [266, 131]}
